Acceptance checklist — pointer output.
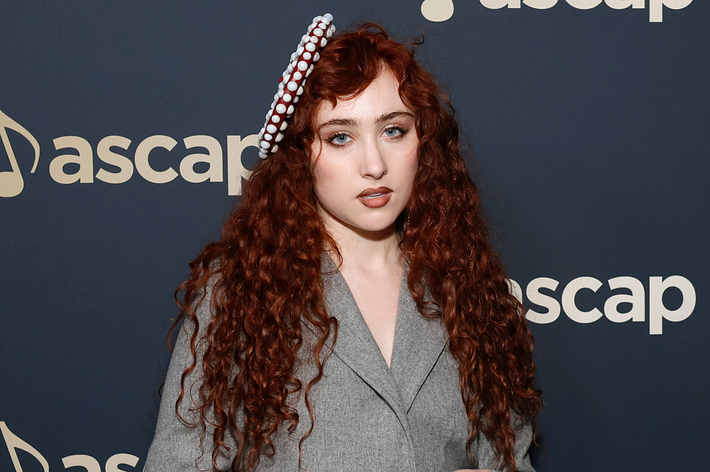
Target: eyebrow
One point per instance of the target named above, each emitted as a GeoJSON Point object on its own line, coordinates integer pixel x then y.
{"type": "Point", "coordinates": [352, 122]}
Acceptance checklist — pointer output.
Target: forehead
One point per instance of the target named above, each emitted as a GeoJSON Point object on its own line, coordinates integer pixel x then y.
{"type": "Point", "coordinates": [381, 96]}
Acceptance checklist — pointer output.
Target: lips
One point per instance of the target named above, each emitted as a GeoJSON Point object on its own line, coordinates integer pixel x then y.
{"type": "Point", "coordinates": [375, 191]}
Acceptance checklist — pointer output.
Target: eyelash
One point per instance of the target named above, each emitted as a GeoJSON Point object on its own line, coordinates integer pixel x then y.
{"type": "Point", "coordinates": [331, 139]}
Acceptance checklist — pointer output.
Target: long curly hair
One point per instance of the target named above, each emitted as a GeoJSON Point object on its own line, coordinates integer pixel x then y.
{"type": "Point", "coordinates": [267, 267]}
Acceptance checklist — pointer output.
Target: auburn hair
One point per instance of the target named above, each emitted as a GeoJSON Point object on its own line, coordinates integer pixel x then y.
{"type": "Point", "coordinates": [267, 267]}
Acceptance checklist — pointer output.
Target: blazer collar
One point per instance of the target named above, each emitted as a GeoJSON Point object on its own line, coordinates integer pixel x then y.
{"type": "Point", "coordinates": [418, 341]}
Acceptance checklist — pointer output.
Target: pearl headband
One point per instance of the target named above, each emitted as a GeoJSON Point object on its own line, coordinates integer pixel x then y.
{"type": "Point", "coordinates": [292, 81]}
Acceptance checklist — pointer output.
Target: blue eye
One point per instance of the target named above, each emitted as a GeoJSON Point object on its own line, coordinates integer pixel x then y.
{"type": "Point", "coordinates": [339, 139]}
{"type": "Point", "coordinates": [395, 132]}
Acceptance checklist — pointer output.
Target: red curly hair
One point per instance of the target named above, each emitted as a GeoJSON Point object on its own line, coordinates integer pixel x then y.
{"type": "Point", "coordinates": [267, 268]}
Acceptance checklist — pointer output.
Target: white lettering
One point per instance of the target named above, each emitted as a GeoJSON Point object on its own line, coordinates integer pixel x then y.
{"type": "Point", "coordinates": [497, 4]}
{"type": "Point", "coordinates": [14, 444]}
{"type": "Point", "coordinates": [89, 463]}
{"type": "Point", "coordinates": [215, 172]}
{"type": "Point", "coordinates": [104, 152]}
{"type": "Point", "coordinates": [656, 8]}
{"type": "Point", "coordinates": [540, 4]}
{"type": "Point", "coordinates": [117, 459]}
{"type": "Point", "coordinates": [623, 4]}
{"type": "Point", "coordinates": [569, 304]}
{"type": "Point", "coordinates": [235, 169]}
{"type": "Point", "coordinates": [636, 299]}
{"type": "Point", "coordinates": [514, 289]}
{"type": "Point", "coordinates": [546, 301]}
{"type": "Point", "coordinates": [143, 165]}
{"type": "Point", "coordinates": [85, 159]}
{"type": "Point", "coordinates": [658, 311]}
{"type": "Point", "coordinates": [82, 460]}
{"type": "Point", "coordinates": [584, 4]}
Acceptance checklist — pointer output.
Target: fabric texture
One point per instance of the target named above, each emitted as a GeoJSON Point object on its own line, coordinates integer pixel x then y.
{"type": "Point", "coordinates": [367, 416]}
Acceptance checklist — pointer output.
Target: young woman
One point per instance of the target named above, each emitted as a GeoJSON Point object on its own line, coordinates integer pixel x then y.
{"type": "Point", "coordinates": [353, 315]}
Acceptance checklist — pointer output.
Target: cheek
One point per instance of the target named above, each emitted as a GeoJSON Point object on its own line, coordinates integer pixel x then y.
{"type": "Point", "coordinates": [328, 179]}
{"type": "Point", "coordinates": [411, 165]}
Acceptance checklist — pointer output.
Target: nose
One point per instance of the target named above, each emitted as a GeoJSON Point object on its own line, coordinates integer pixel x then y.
{"type": "Point", "coordinates": [373, 163]}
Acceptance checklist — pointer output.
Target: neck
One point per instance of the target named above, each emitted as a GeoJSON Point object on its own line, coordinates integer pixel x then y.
{"type": "Point", "coordinates": [365, 251]}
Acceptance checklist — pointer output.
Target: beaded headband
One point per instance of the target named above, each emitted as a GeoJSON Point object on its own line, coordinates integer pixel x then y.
{"type": "Point", "coordinates": [292, 81]}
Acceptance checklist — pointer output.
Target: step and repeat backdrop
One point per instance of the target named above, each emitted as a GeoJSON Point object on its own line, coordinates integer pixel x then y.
{"type": "Point", "coordinates": [126, 129]}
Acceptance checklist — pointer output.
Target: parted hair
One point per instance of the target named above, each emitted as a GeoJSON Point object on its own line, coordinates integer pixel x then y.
{"type": "Point", "coordinates": [267, 266]}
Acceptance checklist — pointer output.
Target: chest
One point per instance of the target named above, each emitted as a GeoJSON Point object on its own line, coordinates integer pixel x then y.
{"type": "Point", "coordinates": [377, 298]}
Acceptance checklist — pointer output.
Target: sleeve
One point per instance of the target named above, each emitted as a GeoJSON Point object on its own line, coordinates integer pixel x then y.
{"type": "Point", "coordinates": [523, 438]}
{"type": "Point", "coordinates": [176, 446]}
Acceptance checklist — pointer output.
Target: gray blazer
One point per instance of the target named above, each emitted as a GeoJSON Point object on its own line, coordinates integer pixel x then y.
{"type": "Point", "coordinates": [368, 416]}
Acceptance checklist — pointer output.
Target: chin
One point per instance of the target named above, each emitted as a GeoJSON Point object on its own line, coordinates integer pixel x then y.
{"type": "Point", "coordinates": [380, 224]}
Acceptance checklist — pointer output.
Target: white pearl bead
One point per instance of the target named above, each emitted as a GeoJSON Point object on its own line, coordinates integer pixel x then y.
{"type": "Point", "coordinates": [263, 155]}
{"type": "Point", "coordinates": [323, 42]}
{"type": "Point", "coordinates": [316, 56]}
{"type": "Point", "coordinates": [300, 91]}
{"type": "Point", "coordinates": [318, 32]}
{"type": "Point", "coordinates": [302, 65]}
{"type": "Point", "coordinates": [328, 17]}
{"type": "Point", "coordinates": [287, 97]}
{"type": "Point", "coordinates": [310, 69]}
{"type": "Point", "coordinates": [279, 137]}
{"type": "Point", "coordinates": [265, 145]}
{"type": "Point", "coordinates": [275, 148]}
{"type": "Point", "coordinates": [292, 86]}
{"type": "Point", "coordinates": [299, 50]}
{"type": "Point", "coordinates": [314, 39]}
{"type": "Point", "coordinates": [284, 125]}
{"type": "Point", "coordinates": [290, 109]}
{"type": "Point", "coordinates": [307, 55]}
{"type": "Point", "coordinates": [275, 118]}
{"type": "Point", "coordinates": [267, 136]}
{"type": "Point", "coordinates": [332, 28]}
{"type": "Point", "coordinates": [281, 108]}
{"type": "Point", "coordinates": [328, 33]}
{"type": "Point", "coordinates": [310, 46]}
{"type": "Point", "coordinates": [297, 75]}
{"type": "Point", "coordinates": [316, 19]}
{"type": "Point", "coordinates": [295, 100]}
{"type": "Point", "coordinates": [281, 85]}
{"type": "Point", "coordinates": [271, 129]}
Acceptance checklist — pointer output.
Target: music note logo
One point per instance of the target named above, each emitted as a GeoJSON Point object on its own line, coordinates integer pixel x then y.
{"type": "Point", "coordinates": [438, 10]}
{"type": "Point", "coordinates": [11, 182]}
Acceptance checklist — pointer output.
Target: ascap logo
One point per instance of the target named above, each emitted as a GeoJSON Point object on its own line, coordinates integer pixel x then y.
{"type": "Point", "coordinates": [90, 464]}
{"type": "Point", "coordinates": [442, 10]}
{"type": "Point", "coordinates": [438, 10]}
{"type": "Point", "coordinates": [79, 165]}
{"type": "Point", "coordinates": [634, 300]}
{"type": "Point", "coordinates": [11, 182]}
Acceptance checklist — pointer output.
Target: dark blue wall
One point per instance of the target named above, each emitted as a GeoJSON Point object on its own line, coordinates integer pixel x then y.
{"type": "Point", "coordinates": [590, 130]}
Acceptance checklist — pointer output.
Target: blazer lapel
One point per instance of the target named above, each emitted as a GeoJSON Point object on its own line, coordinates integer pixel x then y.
{"type": "Point", "coordinates": [355, 345]}
{"type": "Point", "coordinates": [419, 342]}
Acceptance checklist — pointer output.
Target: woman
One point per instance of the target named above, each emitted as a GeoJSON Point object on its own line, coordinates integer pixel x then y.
{"type": "Point", "coordinates": [353, 315]}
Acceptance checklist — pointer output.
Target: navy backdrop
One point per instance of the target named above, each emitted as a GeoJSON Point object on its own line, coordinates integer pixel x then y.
{"type": "Point", "coordinates": [589, 125]}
